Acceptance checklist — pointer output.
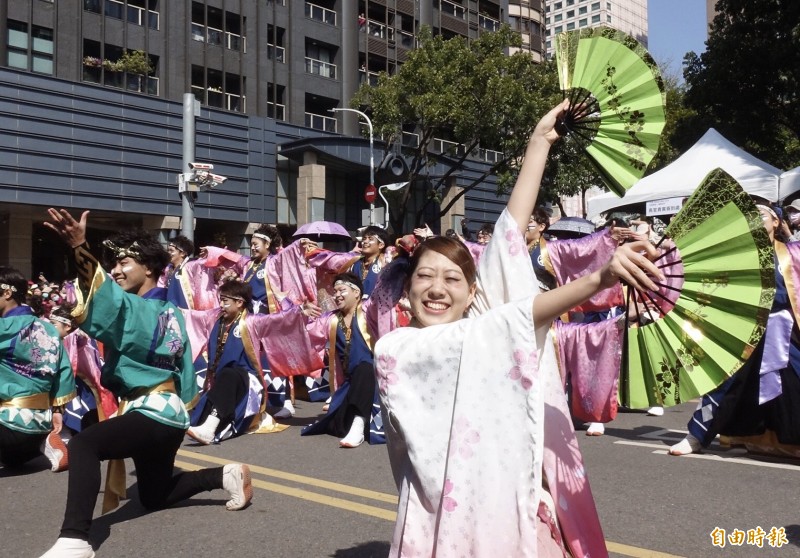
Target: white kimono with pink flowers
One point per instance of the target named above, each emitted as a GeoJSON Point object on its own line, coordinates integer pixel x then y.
{"type": "Point", "coordinates": [475, 479]}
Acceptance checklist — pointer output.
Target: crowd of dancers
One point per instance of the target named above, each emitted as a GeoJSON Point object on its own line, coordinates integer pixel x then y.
{"type": "Point", "coordinates": [406, 340]}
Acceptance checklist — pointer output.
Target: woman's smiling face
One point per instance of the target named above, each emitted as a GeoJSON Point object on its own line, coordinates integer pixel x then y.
{"type": "Point", "coordinates": [438, 291]}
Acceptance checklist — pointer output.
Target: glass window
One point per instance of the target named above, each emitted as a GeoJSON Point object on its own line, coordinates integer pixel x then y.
{"type": "Point", "coordinates": [559, 29]}
{"type": "Point", "coordinates": [583, 23]}
{"type": "Point", "coordinates": [570, 2]}
{"type": "Point", "coordinates": [17, 59]}
{"type": "Point", "coordinates": [20, 45]}
{"type": "Point", "coordinates": [570, 26]}
{"type": "Point", "coordinates": [596, 18]}
{"type": "Point", "coordinates": [557, 6]}
{"type": "Point", "coordinates": [608, 18]}
{"type": "Point", "coordinates": [17, 34]}
{"type": "Point", "coordinates": [582, 10]}
{"type": "Point", "coordinates": [559, 17]}
{"type": "Point", "coordinates": [42, 64]}
{"type": "Point", "coordinates": [571, 13]}
{"type": "Point", "coordinates": [42, 40]}
{"type": "Point", "coordinates": [595, 6]}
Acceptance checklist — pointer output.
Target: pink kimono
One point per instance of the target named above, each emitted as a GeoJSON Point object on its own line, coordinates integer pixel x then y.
{"type": "Point", "coordinates": [287, 273]}
{"type": "Point", "coordinates": [84, 358]}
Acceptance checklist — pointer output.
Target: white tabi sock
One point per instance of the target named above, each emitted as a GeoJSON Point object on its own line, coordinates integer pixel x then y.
{"type": "Point", "coordinates": [205, 432]}
{"type": "Point", "coordinates": [355, 437]}
{"type": "Point", "coordinates": [69, 548]}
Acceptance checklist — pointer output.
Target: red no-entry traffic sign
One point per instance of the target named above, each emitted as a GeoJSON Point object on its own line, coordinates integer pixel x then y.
{"type": "Point", "coordinates": [369, 193]}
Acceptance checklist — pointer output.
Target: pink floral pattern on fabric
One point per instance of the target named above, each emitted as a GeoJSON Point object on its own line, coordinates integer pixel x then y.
{"type": "Point", "coordinates": [463, 438]}
{"type": "Point", "coordinates": [525, 368]}
{"type": "Point", "coordinates": [516, 244]}
{"type": "Point", "coordinates": [385, 372]}
{"type": "Point", "coordinates": [449, 504]}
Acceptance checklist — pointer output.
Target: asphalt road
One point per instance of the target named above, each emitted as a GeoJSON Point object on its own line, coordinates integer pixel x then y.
{"type": "Point", "coordinates": [313, 499]}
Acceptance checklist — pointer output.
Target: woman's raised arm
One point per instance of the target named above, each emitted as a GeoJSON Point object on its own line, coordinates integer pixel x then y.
{"type": "Point", "coordinates": [526, 189]}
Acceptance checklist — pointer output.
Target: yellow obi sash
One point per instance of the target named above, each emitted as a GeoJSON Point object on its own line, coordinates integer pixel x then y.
{"type": "Point", "coordinates": [37, 401]}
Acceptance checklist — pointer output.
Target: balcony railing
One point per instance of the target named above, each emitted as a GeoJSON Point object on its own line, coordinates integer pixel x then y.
{"type": "Point", "coordinates": [489, 155]}
{"type": "Point", "coordinates": [488, 23]}
{"type": "Point", "coordinates": [215, 97]}
{"type": "Point", "coordinates": [319, 13]}
{"type": "Point", "coordinates": [410, 139]}
{"type": "Point", "coordinates": [276, 111]}
{"type": "Point", "coordinates": [449, 147]}
{"type": "Point", "coordinates": [365, 75]}
{"type": "Point", "coordinates": [117, 10]}
{"type": "Point", "coordinates": [454, 10]}
{"type": "Point", "coordinates": [406, 39]}
{"type": "Point", "coordinates": [319, 122]}
{"type": "Point", "coordinates": [376, 29]}
{"type": "Point", "coordinates": [324, 69]}
{"type": "Point", "coordinates": [214, 36]}
{"type": "Point", "coordinates": [277, 53]}
{"type": "Point", "coordinates": [131, 82]}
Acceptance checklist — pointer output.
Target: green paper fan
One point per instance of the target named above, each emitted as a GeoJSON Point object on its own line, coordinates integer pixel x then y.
{"type": "Point", "coordinates": [713, 306]}
{"type": "Point", "coordinates": [617, 102]}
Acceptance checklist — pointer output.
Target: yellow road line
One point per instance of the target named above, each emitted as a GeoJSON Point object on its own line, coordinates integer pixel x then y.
{"type": "Point", "coordinates": [373, 511]}
{"type": "Point", "coordinates": [332, 501]}
{"type": "Point", "coordinates": [636, 552]}
{"type": "Point", "coordinates": [300, 479]}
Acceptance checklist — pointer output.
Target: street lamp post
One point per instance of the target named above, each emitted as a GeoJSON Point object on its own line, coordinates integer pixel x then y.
{"type": "Point", "coordinates": [371, 156]}
{"type": "Point", "coordinates": [393, 187]}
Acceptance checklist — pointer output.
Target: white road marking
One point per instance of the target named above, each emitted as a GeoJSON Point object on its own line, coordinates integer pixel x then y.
{"type": "Point", "coordinates": [659, 450]}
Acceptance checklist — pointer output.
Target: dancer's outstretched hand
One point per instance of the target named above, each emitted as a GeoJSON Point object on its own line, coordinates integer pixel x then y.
{"type": "Point", "coordinates": [72, 232]}
{"type": "Point", "coordinates": [632, 264]}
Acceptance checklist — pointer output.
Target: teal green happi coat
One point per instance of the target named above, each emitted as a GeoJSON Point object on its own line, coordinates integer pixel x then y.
{"type": "Point", "coordinates": [145, 345]}
{"type": "Point", "coordinates": [33, 362]}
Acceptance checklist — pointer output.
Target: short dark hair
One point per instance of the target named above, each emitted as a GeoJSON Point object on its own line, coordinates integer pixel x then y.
{"type": "Point", "coordinates": [183, 244]}
{"type": "Point", "coordinates": [16, 282]}
{"type": "Point", "coordinates": [380, 232]}
{"type": "Point", "coordinates": [350, 278]}
{"type": "Point", "coordinates": [487, 228]}
{"type": "Point", "coordinates": [152, 254]}
{"type": "Point", "coordinates": [541, 216]}
{"type": "Point", "coordinates": [274, 235]}
{"type": "Point", "coordinates": [237, 289]}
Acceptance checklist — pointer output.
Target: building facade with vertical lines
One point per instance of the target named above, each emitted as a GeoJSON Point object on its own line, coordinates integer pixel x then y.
{"type": "Point", "coordinates": [88, 123]}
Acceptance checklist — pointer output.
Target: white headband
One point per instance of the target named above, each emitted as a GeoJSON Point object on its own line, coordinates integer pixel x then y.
{"type": "Point", "coordinates": [263, 237]}
{"type": "Point", "coordinates": [768, 209]}
{"type": "Point", "coordinates": [65, 321]}
{"type": "Point", "coordinates": [347, 283]}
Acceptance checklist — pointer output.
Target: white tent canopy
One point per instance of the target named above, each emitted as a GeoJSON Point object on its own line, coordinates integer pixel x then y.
{"type": "Point", "coordinates": [790, 183]}
{"type": "Point", "coordinates": [682, 177]}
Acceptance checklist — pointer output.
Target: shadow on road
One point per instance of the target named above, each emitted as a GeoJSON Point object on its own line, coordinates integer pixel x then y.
{"type": "Point", "coordinates": [793, 534]}
{"type": "Point", "coordinates": [372, 549]}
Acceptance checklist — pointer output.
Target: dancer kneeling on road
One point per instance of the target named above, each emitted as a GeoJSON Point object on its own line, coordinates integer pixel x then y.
{"type": "Point", "coordinates": [148, 365]}
{"type": "Point", "coordinates": [355, 405]}
{"type": "Point", "coordinates": [238, 342]}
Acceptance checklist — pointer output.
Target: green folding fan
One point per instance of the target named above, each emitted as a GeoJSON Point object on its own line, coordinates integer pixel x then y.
{"type": "Point", "coordinates": [617, 102]}
{"type": "Point", "coordinates": [711, 311]}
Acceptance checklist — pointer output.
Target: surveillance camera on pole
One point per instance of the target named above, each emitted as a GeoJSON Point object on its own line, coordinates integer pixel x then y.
{"type": "Point", "coordinates": [200, 179]}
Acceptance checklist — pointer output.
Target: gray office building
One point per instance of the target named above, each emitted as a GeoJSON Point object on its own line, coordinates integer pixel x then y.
{"type": "Point", "coordinates": [89, 122]}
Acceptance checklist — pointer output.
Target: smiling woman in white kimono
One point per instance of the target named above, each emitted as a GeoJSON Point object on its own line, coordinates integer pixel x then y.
{"type": "Point", "coordinates": [510, 482]}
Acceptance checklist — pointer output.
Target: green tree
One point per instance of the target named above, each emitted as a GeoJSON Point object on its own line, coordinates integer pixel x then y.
{"type": "Point", "coordinates": [471, 93]}
{"type": "Point", "coordinates": [747, 82]}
